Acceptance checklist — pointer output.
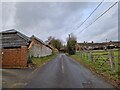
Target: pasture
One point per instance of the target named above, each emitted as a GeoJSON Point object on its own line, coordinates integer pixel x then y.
{"type": "Point", "coordinates": [106, 63]}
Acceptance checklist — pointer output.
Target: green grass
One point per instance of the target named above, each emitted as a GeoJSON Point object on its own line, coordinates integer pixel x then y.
{"type": "Point", "coordinates": [40, 61]}
{"type": "Point", "coordinates": [100, 65]}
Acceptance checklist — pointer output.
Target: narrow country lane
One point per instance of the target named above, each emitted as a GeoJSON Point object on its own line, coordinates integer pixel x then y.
{"type": "Point", "coordinates": [63, 72]}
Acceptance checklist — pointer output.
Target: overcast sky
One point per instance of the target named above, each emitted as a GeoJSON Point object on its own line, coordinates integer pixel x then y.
{"type": "Point", "coordinates": [44, 19]}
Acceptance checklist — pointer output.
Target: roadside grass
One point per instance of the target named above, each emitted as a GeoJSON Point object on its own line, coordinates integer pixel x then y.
{"type": "Point", "coordinates": [101, 65]}
{"type": "Point", "coordinates": [39, 61]}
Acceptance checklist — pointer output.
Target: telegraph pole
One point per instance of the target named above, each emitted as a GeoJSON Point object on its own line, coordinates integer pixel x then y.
{"type": "Point", "coordinates": [69, 36]}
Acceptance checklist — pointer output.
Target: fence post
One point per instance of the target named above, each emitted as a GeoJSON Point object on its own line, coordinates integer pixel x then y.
{"type": "Point", "coordinates": [80, 54]}
{"type": "Point", "coordinates": [84, 54]}
{"type": "Point", "coordinates": [111, 58]}
{"type": "Point", "coordinates": [91, 56]}
{"type": "Point", "coordinates": [87, 54]}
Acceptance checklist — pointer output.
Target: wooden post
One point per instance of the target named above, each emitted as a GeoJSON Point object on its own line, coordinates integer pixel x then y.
{"type": "Point", "coordinates": [81, 54]}
{"type": "Point", "coordinates": [86, 54]}
{"type": "Point", "coordinates": [111, 58]}
{"type": "Point", "coordinates": [91, 56]}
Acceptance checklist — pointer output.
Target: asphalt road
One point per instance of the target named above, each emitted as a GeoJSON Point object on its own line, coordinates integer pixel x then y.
{"type": "Point", "coordinates": [64, 72]}
{"type": "Point", "coordinates": [15, 78]}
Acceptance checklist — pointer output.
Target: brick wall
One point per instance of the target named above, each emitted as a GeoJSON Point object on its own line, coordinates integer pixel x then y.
{"type": "Point", "coordinates": [15, 58]}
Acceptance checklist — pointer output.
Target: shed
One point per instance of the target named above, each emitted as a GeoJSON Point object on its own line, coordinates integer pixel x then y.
{"type": "Point", "coordinates": [14, 49]}
{"type": "Point", "coordinates": [38, 48]}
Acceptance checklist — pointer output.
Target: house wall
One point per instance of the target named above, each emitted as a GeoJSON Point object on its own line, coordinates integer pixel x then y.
{"type": "Point", "coordinates": [98, 45]}
{"type": "Point", "coordinates": [35, 50]}
{"type": "Point", "coordinates": [15, 57]}
{"type": "Point", "coordinates": [39, 50]}
{"type": "Point", "coordinates": [46, 51]}
{"type": "Point", "coordinates": [117, 44]}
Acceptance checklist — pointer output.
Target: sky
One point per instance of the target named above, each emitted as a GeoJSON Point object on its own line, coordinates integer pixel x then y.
{"type": "Point", "coordinates": [58, 19]}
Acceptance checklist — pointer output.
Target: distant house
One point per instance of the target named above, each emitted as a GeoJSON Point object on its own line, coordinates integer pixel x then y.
{"type": "Point", "coordinates": [14, 49]}
{"type": "Point", "coordinates": [38, 48]}
{"type": "Point", "coordinates": [98, 46]}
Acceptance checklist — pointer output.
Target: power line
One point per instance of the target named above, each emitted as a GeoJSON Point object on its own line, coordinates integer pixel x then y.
{"type": "Point", "coordinates": [89, 15]}
{"type": "Point", "coordinates": [99, 16]}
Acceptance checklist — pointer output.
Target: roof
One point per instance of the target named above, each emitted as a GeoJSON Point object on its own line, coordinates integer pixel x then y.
{"type": "Point", "coordinates": [99, 44]}
{"type": "Point", "coordinates": [91, 44]}
{"type": "Point", "coordinates": [39, 40]}
{"type": "Point", "coordinates": [13, 38]}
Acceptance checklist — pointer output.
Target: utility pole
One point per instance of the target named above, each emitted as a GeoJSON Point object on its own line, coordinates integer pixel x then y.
{"type": "Point", "coordinates": [69, 36]}
{"type": "Point", "coordinates": [106, 39]}
{"type": "Point", "coordinates": [106, 44]}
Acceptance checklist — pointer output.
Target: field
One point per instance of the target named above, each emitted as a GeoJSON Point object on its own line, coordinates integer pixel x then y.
{"type": "Point", "coordinates": [100, 62]}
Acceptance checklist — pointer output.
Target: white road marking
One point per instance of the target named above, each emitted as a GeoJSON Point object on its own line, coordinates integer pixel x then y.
{"type": "Point", "coordinates": [62, 67]}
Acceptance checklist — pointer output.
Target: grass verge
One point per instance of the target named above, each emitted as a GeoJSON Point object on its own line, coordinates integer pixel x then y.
{"type": "Point", "coordinates": [39, 61]}
{"type": "Point", "coordinates": [104, 70]}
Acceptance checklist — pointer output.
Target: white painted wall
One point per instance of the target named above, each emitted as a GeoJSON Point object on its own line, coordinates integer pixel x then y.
{"type": "Point", "coordinates": [38, 50]}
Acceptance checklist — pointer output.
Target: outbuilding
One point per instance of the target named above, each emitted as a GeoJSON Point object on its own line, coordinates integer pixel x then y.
{"type": "Point", "coordinates": [38, 48]}
{"type": "Point", "coordinates": [14, 49]}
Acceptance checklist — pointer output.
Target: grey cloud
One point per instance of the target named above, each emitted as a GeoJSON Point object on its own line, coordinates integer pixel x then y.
{"type": "Point", "coordinates": [45, 19]}
{"type": "Point", "coordinates": [8, 15]}
{"type": "Point", "coordinates": [28, 14]}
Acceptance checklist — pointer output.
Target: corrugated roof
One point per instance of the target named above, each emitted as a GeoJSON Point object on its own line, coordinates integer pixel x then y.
{"type": "Point", "coordinates": [10, 31]}
{"type": "Point", "coordinates": [13, 38]}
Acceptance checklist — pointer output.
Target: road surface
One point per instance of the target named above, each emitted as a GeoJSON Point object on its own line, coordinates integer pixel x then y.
{"type": "Point", "coordinates": [64, 72]}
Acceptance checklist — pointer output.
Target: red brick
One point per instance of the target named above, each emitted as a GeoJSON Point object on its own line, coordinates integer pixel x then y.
{"type": "Point", "coordinates": [15, 58]}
